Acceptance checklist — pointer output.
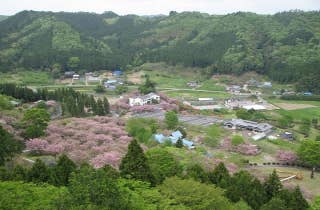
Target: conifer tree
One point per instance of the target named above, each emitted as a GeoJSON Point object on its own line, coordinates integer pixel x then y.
{"type": "Point", "coordinates": [106, 105]}
{"type": "Point", "coordinates": [272, 185]}
{"type": "Point", "coordinates": [197, 173]}
{"type": "Point", "coordinates": [220, 176]}
{"type": "Point", "coordinates": [274, 203]}
{"type": "Point", "coordinates": [179, 143]}
{"type": "Point", "coordinates": [62, 171]}
{"type": "Point", "coordinates": [9, 146]}
{"type": "Point", "coordinates": [19, 173]}
{"type": "Point", "coordinates": [39, 172]}
{"type": "Point", "coordinates": [100, 108]}
{"type": "Point", "coordinates": [135, 164]}
{"type": "Point", "coordinates": [298, 201]}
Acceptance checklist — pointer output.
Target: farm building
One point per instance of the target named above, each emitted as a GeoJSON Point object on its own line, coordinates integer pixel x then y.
{"type": "Point", "coordinates": [93, 79]}
{"type": "Point", "coordinates": [146, 99]}
{"type": "Point", "coordinates": [75, 76]}
{"type": "Point", "coordinates": [254, 107]}
{"type": "Point", "coordinates": [192, 84]}
{"type": "Point", "coordinates": [249, 125]}
{"type": "Point", "coordinates": [69, 74]}
{"type": "Point", "coordinates": [175, 136]}
{"type": "Point", "coordinates": [117, 73]}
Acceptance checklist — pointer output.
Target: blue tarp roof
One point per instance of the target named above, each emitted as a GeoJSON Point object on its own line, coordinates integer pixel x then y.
{"type": "Point", "coordinates": [177, 135]}
{"type": "Point", "coordinates": [173, 139]}
{"type": "Point", "coordinates": [117, 72]}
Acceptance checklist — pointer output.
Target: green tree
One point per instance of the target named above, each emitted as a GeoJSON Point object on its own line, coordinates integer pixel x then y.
{"type": "Point", "coordinates": [9, 146]}
{"type": "Point", "coordinates": [162, 164]}
{"type": "Point", "coordinates": [244, 185]}
{"type": "Point", "coordinates": [194, 195]}
{"type": "Point", "coordinates": [95, 189]}
{"type": "Point", "coordinates": [171, 119]}
{"type": "Point", "coordinates": [19, 173]}
{"type": "Point", "coordinates": [309, 153]}
{"type": "Point", "coordinates": [36, 121]}
{"type": "Point", "coordinates": [274, 203]}
{"type": "Point", "coordinates": [179, 143]}
{"type": "Point", "coordinates": [62, 171]}
{"type": "Point", "coordinates": [100, 89]}
{"type": "Point", "coordinates": [298, 201]}
{"type": "Point", "coordinates": [73, 63]}
{"type": "Point", "coordinates": [135, 164]}
{"type": "Point", "coordinates": [106, 105]}
{"type": "Point", "coordinates": [38, 172]}
{"type": "Point", "coordinates": [148, 86]}
{"type": "Point", "coordinates": [29, 196]}
{"type": "Point", "coordinates": [272, 185]}
{"type": "Point", "coordinates": [220, 176]}
{"type": "Point", "coordinates": [196, 172]}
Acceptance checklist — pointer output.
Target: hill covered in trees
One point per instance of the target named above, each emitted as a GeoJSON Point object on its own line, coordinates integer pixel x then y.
{"type": "Point", "coordinates": [285, 46]}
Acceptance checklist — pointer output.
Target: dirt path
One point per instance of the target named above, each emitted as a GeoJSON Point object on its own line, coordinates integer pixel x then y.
{"type": "Point", "coordinates": [288, 106]}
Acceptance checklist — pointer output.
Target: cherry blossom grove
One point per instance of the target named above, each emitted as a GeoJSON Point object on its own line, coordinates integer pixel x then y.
{"type": "Point", "coordinates": [98, 140]}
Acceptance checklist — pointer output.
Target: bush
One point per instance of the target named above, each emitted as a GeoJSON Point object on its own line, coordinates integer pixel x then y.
{"type": "Point", "coordinates": [100, 89]}
{"type": "Point", "coordinates": [237, 140]}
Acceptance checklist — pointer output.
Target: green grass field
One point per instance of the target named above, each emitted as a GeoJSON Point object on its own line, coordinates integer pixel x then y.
{"type": "Point", "coordinates": [211, 85]}
{"type": "Point", "coordinates": [27, 78]}
{"type": "Point", "coordinates": [193, 95]}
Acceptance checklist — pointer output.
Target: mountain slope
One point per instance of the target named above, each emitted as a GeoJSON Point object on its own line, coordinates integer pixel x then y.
{"type": "Point", "coordinates": [3, 17]}
{"type": "Point", "coordinates": [285, 45]}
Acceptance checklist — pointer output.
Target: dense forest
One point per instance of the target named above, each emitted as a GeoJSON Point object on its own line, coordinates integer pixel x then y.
{"type": "Point", "coordinates": [285, 46]}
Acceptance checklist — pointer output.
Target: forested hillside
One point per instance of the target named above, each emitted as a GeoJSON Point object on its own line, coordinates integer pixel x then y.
{"type": "Point", "coordinates": [284, 46]}
{"type": "Point", "coordinates": [3, 17]}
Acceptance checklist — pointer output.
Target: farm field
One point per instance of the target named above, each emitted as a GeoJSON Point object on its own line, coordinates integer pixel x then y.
{"type": "Point", "coordinates": [27, 78]}
{"type": "Point", "coordinates": [195, 94]}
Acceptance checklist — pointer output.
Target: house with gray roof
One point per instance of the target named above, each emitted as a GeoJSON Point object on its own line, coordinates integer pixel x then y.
{"type": "Point", "coordinates": [248, 125]}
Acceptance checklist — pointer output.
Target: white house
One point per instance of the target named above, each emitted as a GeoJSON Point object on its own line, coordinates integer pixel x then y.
{"type": "Point", "coordinates": [75, 76]}
{"type": "Point", "coordinates": [142, 100]}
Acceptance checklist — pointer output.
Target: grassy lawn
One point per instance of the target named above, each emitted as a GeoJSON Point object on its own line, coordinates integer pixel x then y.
{"type": "Point", "coordinates": [273, 101]}
{"type": "Point", "coordinates": [211, 85]}
{"type": "Point", "coordinates": [300, 114]}
{"type": "Point", "coordinates": [168, 80]}
{"type": "Point", "coordinates": [27, 78]}
{"type": "Point", "coordinates": [308, 185]}
{"type": "Point", "coordinates": [193, 95]}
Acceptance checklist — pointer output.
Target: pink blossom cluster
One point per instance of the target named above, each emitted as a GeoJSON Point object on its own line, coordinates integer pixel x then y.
{"type": "Point", "coordinates": [169, 106]}
{"type": "Point", "coordinates": [51, 103]}
{"type": "Point", "coordinates": [37, 145]}
{"type": "Point", "coordinates": [286, 156]}
{"type": "Point", "coordinates": [85, 139]}
{"type": "Point", "coordinates": [248, 149]}
{"type": "Point", "coordinates": [111, 158]}
{"type": "Point", "coordinates": [144, 108]}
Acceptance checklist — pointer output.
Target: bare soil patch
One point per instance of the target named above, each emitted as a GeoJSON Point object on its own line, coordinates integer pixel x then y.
{"type": "Point", "coordinates": [288, 106]}
{"type": "Point", "coordinates": [136, 77]}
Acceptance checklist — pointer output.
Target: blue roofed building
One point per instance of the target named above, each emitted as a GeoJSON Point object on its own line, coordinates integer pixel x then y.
{"type": "Point", "coordinates": [117, 72]}
{"type": "Point", "coordinates": [307, 94]}
{"type": "Point", "coordinates": [175, 136]}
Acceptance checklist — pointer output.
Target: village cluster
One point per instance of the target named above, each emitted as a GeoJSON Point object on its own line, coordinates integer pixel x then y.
{"type": "Point", "coordinates": [246, 96]}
